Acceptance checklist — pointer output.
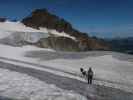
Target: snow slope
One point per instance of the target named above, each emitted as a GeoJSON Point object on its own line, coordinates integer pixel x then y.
{"type": "Point", "coordinates": [56, 33]}
{"type": "Point", "coordinates": [117, 73]}
{"type": "Point", "coordinates": [16, 27]}
{"type": "Point", "coordinates": [12, 27]}
{"type": "Point", "coordinates": [23, 87]}
{"type": "Point", "coordinates": [17, 34]}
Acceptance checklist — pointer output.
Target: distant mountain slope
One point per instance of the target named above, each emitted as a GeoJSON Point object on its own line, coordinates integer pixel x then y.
{"type": "Point", "coordinates": [2, 19]}
{"type": "Point", "coordinates": [41, 18]}
{"type": "Point", "coordinates": [122, 44]}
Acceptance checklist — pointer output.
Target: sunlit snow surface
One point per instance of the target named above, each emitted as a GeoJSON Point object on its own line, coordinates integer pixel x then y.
{"type": "Point", "coordinates": [21, 86]}
{"type": "Point", "coordinates": [107, 67]}
{"type": "Point", "coordinates": [9, 27]}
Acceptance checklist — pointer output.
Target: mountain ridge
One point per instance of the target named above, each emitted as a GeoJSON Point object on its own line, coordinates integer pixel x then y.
{"type": "Point", "coordinates": [41, 18]}
{"type": "Point", "coordinates": [121, 44]}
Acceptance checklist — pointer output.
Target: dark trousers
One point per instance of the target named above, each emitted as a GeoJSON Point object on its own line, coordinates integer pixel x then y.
{"type": "Point", "coordinates": [89, 79]}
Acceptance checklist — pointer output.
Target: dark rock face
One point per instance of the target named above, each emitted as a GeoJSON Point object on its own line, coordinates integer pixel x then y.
{"type": "Point", "coordinates": [68, 44]}
{"type": "Point", "coordinates": [59, 43]}
{"type": "Point", "coordinates": [122, 44]}
{"type": "Point", "coordinates": [2, 19]}
{"type": "Point", "coordinates": [42, 18]}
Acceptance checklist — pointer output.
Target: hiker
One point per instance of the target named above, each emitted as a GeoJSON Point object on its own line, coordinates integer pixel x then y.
{"type": "Point", "coordinates": [83, 71]}
{"type": "Point", "coordinates": [90, 75]}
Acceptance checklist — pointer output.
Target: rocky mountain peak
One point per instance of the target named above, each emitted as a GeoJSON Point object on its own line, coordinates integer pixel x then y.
{"type": "Point", "coordinates": [43, 18]}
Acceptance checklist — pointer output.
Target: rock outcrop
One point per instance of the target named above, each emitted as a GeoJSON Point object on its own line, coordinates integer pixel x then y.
{"type": "Point", "coordinates": [2, 19]}
{"type": "Point", "coordinates": [42, 18]}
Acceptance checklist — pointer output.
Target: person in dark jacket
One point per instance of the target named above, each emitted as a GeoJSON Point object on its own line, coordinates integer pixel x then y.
{"type": "Point", "coordinates": [83, 71]}
{"type": "Point", "coordinates": [90, 76]}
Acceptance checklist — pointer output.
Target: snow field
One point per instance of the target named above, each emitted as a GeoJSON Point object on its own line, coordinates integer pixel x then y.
{"type": "Point", "coordinates": [23, 87]}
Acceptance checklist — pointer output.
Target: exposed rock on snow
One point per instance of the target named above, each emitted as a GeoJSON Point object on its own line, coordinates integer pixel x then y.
{"type": "Point", "coordinates": [17, 34]}
{"type": "Point", "coordinates": [60, 27]}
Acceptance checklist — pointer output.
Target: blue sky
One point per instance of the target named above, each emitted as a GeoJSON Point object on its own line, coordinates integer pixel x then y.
{"type": "Point", "coordinates": [104, 18]}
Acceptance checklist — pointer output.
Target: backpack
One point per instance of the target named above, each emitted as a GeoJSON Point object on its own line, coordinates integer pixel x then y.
{"type": "Point", "coordinates": [90, 73]}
